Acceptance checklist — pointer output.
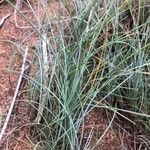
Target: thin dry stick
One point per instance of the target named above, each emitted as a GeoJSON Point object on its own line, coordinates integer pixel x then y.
{"type": "Point", "coordinates": [1, 1]}
{"type": "Point", "coordinates": [18, 6]}
{"type": "Point", "coordinates": [3, 19]}
{"type": "Point", "coordinates": [15, 95]}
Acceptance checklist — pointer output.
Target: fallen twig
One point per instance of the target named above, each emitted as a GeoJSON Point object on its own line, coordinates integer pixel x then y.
{"type": "Point", "coordinates": [18, 6]}
{"type": "Point", "coordinates": [3, 19]}
{"type": "Point", "coordinates": [15, 95]}
{"type": "Point", "coordinates": [1, 1]}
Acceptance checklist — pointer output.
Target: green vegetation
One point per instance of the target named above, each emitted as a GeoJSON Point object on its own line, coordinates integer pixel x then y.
{"type": "Point", "coordinates": [98, 57]}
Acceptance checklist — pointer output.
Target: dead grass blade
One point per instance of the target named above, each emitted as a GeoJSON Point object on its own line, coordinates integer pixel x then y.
{"type": "Point", "coordinates": [15, 95]}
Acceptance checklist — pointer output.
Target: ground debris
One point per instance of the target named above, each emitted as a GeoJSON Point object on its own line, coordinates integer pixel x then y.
{"type": "Point", "coordinates": [4, 19]}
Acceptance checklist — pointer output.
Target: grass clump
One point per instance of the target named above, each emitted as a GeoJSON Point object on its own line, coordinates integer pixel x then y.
{"type": "Point", "coordinates": [100, 60]}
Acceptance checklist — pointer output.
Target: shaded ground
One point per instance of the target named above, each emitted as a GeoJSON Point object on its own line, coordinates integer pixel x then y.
{"type": "Point", "coordinates": [97, 123]}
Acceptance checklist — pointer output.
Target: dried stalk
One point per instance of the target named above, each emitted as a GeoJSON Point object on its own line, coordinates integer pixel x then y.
{"type": "Point", "coordinates": [4, 19]}
{"type": "Point", "coordinates": [15, 95]}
